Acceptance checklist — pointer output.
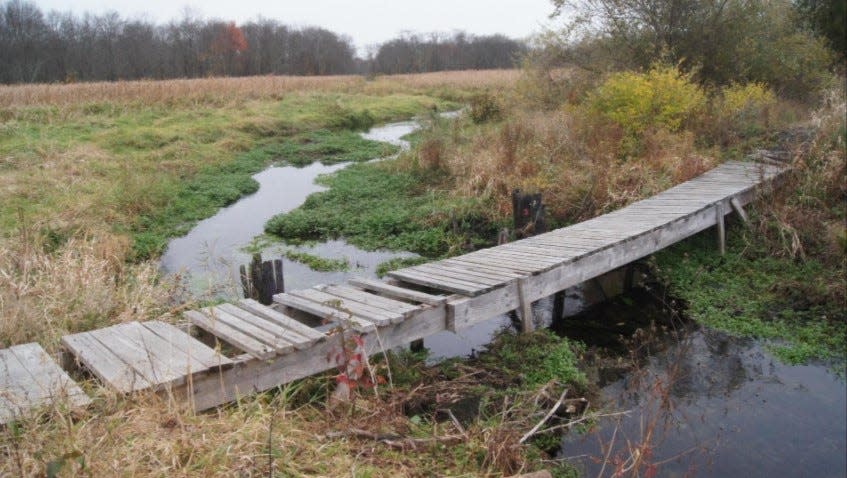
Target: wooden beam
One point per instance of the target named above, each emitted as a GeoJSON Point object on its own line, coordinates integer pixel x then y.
{"type": "Point", "coordinates": [251, 375]}
{"type": "Point", "coordinates": [739, 209]}
{"type": "Point", "coordinates": [719, 221]}
{"type": "Point", "coordinates": [525, 308]}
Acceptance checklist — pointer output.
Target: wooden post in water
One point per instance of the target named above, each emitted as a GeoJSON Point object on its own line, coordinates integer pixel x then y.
{"type": "Point", "coordinates": [528, 220]}
{"type": "Point", "coordinates": [262, 280]}
{"type": "Point", "coordinates": [528, 214]}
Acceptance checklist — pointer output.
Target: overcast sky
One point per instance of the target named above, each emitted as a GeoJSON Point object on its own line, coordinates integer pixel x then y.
{"type": "Point", "coordinates": [367, 22]}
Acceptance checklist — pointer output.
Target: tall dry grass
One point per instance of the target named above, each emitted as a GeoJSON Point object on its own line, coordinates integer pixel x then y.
{"type": "Point", "coordinates": [574, 160]}
{"type": "Point", "coordinates": [252, 87]}
{"type": "Point", "coordinates": [83, 284]}
{"type": "Point", "coordinates": [808, 216]}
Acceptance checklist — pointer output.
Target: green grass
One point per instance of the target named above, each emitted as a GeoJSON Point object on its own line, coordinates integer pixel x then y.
{"type": "Point", "coordinates": [318, 263]}
{"type": "Point", "coordinates": [537, 358]}
{"type": "Point", "coordinates": [330, 147]}
{"type": "Point", "coordinates": [796, 305]}
{"type": "Point", "coordinates": [153, 170]}
{"type": "Point", "coordinates": [376, 206]}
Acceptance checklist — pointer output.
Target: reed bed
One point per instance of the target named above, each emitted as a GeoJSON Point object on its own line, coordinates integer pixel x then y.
{"type": "Point", "coordinates": [252, 87]}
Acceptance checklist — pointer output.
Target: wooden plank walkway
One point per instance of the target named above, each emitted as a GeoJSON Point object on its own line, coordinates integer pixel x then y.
{"type": "Point", "coordinates": [138, 356]}
{"type": "Point", "coordinates": [29, 379]}
{"type": "Point", "coordinates": [274, 346]}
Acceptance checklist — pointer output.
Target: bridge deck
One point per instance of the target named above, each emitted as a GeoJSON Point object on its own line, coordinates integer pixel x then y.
{"type": "Point", "coordinates": [273, 346]}
{"type": "Point", "coordinates": [483, 271]}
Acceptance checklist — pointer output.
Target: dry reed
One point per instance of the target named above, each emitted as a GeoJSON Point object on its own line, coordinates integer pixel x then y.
{"type": "Point", "coordinates": [252, 87]}
{"type": "Point", "coordinates": [83, 284]}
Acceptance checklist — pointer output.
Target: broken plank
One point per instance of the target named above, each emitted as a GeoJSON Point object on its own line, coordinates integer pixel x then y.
{"type": "Point", "coordinates": [397, 292]}
{"type": "Point", "coordinates": [281, 319]}
{"type": "Point", "coordinates": [324, 311]}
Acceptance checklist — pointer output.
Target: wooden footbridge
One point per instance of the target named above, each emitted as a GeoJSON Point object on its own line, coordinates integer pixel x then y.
{"type": "Point", "coordinates": [247, 347]}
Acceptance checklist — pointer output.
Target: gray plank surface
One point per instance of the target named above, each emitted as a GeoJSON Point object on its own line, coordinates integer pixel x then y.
{"type": "Point", "coordinates": [30, 379]}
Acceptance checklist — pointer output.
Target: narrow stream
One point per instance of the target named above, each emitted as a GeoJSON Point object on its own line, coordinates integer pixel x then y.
{"type": "Point", "coordinates": [730, 408]}
{"type": "Point", "coordinates": [207, 258]}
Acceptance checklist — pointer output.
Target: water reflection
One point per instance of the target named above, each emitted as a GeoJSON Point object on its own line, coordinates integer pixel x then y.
{"type": "Point", "coordinates": [720, 406]}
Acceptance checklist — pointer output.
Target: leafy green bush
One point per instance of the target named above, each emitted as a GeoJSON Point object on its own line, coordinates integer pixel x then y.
{"type": "Point", "coordinates": [663, 97]}
{"type": "Point", "coordinates": [743, 109]}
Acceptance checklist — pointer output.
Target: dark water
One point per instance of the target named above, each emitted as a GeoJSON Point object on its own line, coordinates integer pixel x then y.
{"type": "Point", "coordinates": [732, 409]}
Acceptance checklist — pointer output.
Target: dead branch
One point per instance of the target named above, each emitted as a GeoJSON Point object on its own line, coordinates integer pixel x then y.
{"type": "Point", "coordinates": [546, 417]}
{"type": "Point", "coordinates": [394, 440]}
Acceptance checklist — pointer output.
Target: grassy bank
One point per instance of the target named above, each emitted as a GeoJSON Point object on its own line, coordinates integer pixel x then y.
{"type": "Point", "coordinates": [380, 206]}
{"type": "Point", "coordinates": [798, 306]}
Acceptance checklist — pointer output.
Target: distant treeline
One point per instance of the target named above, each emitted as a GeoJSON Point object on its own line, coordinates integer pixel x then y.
{"type": "Point", "coordinates": [61, 46]}
{"type": "Point", "coordinates": [434, 52]}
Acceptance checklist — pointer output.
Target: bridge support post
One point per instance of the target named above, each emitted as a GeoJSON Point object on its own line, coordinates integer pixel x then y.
{"type": "Point", "coordinates": [525, 308]}
{"type": "Point", "coordinates": [719, 218]}
{"type": "Point", "coordinates": [558, 306]}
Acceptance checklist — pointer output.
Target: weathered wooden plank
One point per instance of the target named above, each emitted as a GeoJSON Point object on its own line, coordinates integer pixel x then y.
{"type": "Point", "coordinates": [230, 335]}
{"type": "Point", "coordinates": [104, 364]}
{"type": "Point", "coordinates": [531, 267]}
{"type": "Point", "coordinates": [209, 357]}
{"type": "Point", "coordinates": [281, 339]}
{"type": "Point", "coordinates": [389, 290]}
{"type": "Point", "coordinates": [498, 274]}
{"type": "Point", "coordinates": [30, 379]}
{"type": "Point", "coordinates": [250, 328]}
{"type": "Point", "coordinates": [461, 275]}
{"type": "Point", "coordinates": [538, 262]}
{"type": "Point", "coordinates": [439, 283]}
{"type": "Point", "coordinates": [522, 269]}
{"type": "Point", "coordinates": [287, 336]}
{"type": "Point", "coordinates": [51, 380]}
{"type": "Point", "coordinates": [140, 356]}
{"type": "Point", "coordinates": [390, 305]}
{"type": "Point", "coordinates": [367, 312]}
{"type": "Point", "coordinates": [171, 356]}
{"type": "Point", "coordinates": [325, 312]}
{"type": "Point", "coordinates": [502, 271]}
{"type": "Point", "coordinates": [281, 319]}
